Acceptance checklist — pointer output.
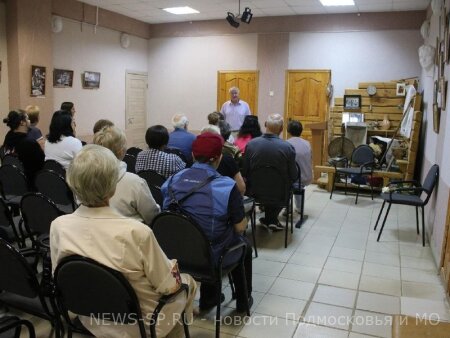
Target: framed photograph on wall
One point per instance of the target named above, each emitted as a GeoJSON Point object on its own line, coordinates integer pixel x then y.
{"type": "Point", "coordinates": [62, 78]}
{"type": "Point", "coordinates": [352, 102]}
{"type": "Point", "coordinates": [91, 80]}
{"type": "Point", "coordinates": [37, 81]}
{"type": "Point", "coordinates": [401, 89]}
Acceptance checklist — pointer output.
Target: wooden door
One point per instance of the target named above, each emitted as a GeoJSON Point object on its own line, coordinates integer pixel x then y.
{"type": "Point", "coordinates": [246, 81]}
{"type": "Point", "coordinates": [306, 97]}
{"type": "Point", "coordinates": [136, 109]}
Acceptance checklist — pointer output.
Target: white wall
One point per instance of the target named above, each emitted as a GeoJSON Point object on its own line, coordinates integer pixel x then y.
{"type": "Point", "coordinates": [79, 49]}
{"type": "Point", "coordinates": [183, 74]}
{"type": "Point", "coordinates": [4, 101]}
{"type": "Point", "coordinates": [355, 57]}
{"type": "Point", "coordinates": [436, 149]}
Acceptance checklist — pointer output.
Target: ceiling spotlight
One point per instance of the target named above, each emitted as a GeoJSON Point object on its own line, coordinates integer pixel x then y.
{"type": "Point", "coordinates": [247, 15]}
{"type": "Point", "coordinates": [232, 20]}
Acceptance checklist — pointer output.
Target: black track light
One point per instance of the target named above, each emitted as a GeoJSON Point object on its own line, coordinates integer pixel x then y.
{"type": "Point", "coordinates": [247, 15]}
{"type": "Point", "coordinates": [232, 20]}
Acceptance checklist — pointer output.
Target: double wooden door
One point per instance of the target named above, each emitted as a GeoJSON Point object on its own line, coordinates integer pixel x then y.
{"type": "Point", "coordinates": [246, 81]}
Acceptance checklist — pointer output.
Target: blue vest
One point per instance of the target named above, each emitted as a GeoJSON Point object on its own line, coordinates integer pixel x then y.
{"type": "Point", "coordinates": [208, 206]}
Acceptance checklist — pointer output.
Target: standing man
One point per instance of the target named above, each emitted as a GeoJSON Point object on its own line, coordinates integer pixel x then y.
{"type": "Point", "coordinates": [180, 138]}
{"type": "Point", "coordinates": [235, 110]}
{"type": "Point", "coordinates": [270, 150]}
{"type": "Point", "coordinates": [303, 155]}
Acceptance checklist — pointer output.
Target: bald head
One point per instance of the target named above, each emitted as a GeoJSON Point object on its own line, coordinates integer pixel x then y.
{"type": "Point", "coordinates": [274, 124]}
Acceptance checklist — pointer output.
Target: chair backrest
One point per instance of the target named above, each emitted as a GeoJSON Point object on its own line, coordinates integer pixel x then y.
{"type": "Point", "coordinates": [13, 181]}
{"type": "Point", "coordinates": [430, 181]}
{"type": "Point", "coordinates": [134, 151]}
{"type": "Point", "coordinates": [54, 186]}
{"type": "Point", "coordinates": [267, 185]}
{"type": "Point", "coordinates": [6, 221]}
{"type": "Point", "coordinates": [362, 154]}
{"type": "Point", "coordinates": [55, 166]}
{"type": "Point", "coordinates": [194, 254]}
{"type": "Point", "coordinates": [179, 153]}
{"type": "Point", "coordinates": [130, 160]}
{"type": "Point", "coordinates": [11, 327]}
{"type": "Point", "coordinates": [17, 275]}
{"type": "Point", "coordinates": [14, 160]}
{"type": "Point", "coordinates": [38, 212]}
{"type": "Point", "coordinates": [88, 288]}
{"type": "Point", "coordinates": [154, 181]}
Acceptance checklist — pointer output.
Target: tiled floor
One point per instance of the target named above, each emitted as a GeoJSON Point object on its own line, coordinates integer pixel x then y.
{"type": "Point", "coordinates": [334, 279]}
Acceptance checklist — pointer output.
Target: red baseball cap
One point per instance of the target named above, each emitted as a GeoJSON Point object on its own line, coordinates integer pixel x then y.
{"type": "Point", "coordinates": [207, 145]}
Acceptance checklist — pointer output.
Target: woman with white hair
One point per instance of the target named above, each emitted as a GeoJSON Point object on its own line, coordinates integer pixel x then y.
{"type": "Point", "coordinates": [133, 197]}
{"type": "Point", "coordinates": [97, 231]}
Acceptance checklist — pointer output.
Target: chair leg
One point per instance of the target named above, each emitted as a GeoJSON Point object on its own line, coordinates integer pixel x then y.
{"type": "Point", "coordinates": [219, 295]}
{"type": "Point", "coordinates": [332, 186]}
{"type": "Point", "coordinates": [371, 186]}
{"type": "Point", "coordinates": [417, 219]}
{"type": "Point", "coordinates": [286, 232]}
{"type": "Point", "coordinates": [292, 214]}
{"type": "Point", "coordinates": [423, 226]}
{"type": "Point", "coordinates": [346, 185]}
{"type": "Point", "coordinates": [185, 326]}
{"type": "Point", "coordinates": [384, 221]}
{"type": "Point", "coordinates": [378, 218]}
{"type": "Point", "coordinates": [233, 291]}
{"type": "Point", "coordinates": [302, 207]}
{"type": "Point", "coordinates": [253, 225]}
{"type": "Point", "coordinates": [357, 193]}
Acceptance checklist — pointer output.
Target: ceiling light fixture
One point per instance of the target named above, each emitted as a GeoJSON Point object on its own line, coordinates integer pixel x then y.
{"type": "Point", "coordinates": [245, 17]}
{"type": "Point", "coordinates": [337, 2]}
{"type": "Point", "coordinates": [181, 10]}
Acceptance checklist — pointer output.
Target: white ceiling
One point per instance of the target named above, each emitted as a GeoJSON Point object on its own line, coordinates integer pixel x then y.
{"type": "Point", "coordinates": [150, 11]}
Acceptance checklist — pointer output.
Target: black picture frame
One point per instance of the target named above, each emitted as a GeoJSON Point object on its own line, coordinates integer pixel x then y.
{"type": "Point", "coordinates": [38, 81]}
{"type": "Point", "coordinates": [62, 78]}
{"type": "Point", "coordinates": [91, 80]}
{"type": "Point", "coordinates": [352, 102]}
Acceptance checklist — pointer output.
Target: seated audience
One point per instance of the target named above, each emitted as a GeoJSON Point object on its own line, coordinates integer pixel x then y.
{"type": "Point", "coordinates": [228, 147]}
{"type": "Point", "coordinates": [249, 130]}
{"type": "Point", "coordinates": [132, 197]}
{"type": "Point", "coordinates": [303, 154]}
{"type": "Point", "coordinates": [214, 118]}
{"type": "Point", "coordinates": [18, 143]}
{"type": "Point", "coordinates": [270, 150]}
{"type": "Point", "coordinates": [61, 144]}
{"type": "Point", "coordinates": [33, 131]}
{"type": "Point", "coordinates": [218, 209]}
{"type": "Point", "coordinates": [155, 158]}
{"type": "Point", "coordinates": [97, 231]}
{"type": "Point", "coordinates": [100, 124]}
{"type": "Point", "coordinates": [180, 138]}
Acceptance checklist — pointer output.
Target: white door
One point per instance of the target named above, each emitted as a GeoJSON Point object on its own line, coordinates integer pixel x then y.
{"type": "Point", "coordinates": [136, 109]}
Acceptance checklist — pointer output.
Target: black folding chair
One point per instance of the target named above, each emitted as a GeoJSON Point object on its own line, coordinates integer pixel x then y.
{"type": "Point", "coordinates": [180, 154]}
{"type": "Point", "coordinates": [55, 166]}
{"type": "Point", "coordinates": [268, 186]}
{"type": "Point", "coordinates": [11, 327]}
{"type": "Point", "coordinates": [13, 160]}
{"type": "Point", "coordinates": [249, 204]}
{"type": "Point", "coordinates": [14, 185]}
{"type": "Point", "coordinates": [54, 186]}
{"type": "Point", "coordinates": [155, 182]}
{"type": "Point", "coordinates": [130, 160]}
{"type": "Point", "coordinates": [362, 164]}
{"type": "Point", "coordinates": [134, 151]}
{"type": "Point", "coordinates": [86, 287]}
{"type": "Point", "coordinates": [299, 190]}
{"type": "Point", "coordinates": [194, 256]}
{"type": "Point", "coordinates": [399, 194]}
{"type": "Point", "coordinates": [8, 229]}
{"type": "Point", "coordinates": [21, 290]}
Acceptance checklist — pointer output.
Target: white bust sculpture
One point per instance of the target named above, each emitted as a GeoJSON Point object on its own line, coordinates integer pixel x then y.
{"type": "Point", "coordinates": [426, 56]}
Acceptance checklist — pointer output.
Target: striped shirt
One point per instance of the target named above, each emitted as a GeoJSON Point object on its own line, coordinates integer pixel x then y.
{"type": "Point", "coordinates": [163, 163]}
